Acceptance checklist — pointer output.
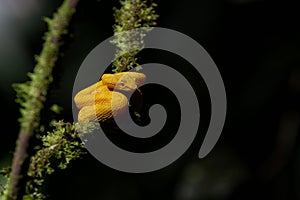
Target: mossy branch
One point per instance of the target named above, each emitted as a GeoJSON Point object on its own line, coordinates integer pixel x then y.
{"type": "Point", "coordinates": [62, 145]}
{"type": "Point", "coordinates": [132, 14]}
{"type": "Point", "coordinates": [32, 95]}
{"type": "Point", "coordinates": [59, 148]}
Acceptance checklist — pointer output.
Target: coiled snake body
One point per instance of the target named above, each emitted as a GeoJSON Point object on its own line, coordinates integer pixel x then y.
{"type": "Point", "coordinates": [101, 102]}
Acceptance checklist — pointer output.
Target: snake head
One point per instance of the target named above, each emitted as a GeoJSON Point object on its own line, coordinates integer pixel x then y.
{"type": "Point", "coordinates": [125, 81]}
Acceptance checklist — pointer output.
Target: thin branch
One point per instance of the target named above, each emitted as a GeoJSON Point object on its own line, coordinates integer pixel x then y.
{"type": "Point", "coordinates": [32, 95]}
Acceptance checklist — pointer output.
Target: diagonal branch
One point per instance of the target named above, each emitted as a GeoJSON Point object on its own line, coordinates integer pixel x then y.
{"type": "Point", "coordinates": [32, 95]}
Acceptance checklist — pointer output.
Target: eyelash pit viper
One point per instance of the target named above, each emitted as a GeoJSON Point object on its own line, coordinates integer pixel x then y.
{"type": "Point", "coordinates": [101, 101]}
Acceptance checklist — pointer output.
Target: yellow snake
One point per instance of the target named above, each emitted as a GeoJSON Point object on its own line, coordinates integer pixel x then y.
{"type": "Point", "coordinates": [100, 102]}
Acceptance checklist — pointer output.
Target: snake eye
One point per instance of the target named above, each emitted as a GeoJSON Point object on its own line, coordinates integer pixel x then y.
{"type": "Point", "coordinates": [122, 83]}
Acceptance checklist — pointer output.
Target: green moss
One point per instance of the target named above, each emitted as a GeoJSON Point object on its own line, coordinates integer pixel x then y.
{"type": "Point", "coordinates": [32, 95]}
{"type": "Point", "coordinates": [59, 147]}
{"type": "Point", "coordinates": [132, 14]}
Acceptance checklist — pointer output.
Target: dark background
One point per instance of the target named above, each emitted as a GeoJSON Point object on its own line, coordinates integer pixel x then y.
{"type": "Point", "coordinates": [255, 44]}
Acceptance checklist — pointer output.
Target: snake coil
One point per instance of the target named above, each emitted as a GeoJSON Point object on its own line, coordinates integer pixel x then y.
{"type": "Point", "coordinates": [100, 102]}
